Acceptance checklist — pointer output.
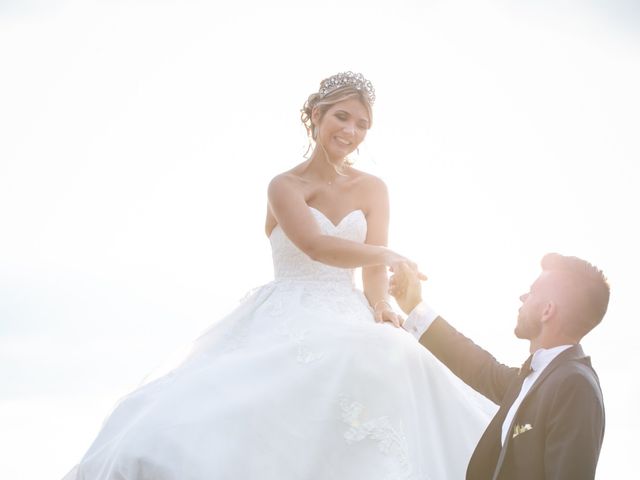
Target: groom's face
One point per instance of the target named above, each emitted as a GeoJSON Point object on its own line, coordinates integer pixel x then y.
{"type": "Point", "coordinates": [529, 322]}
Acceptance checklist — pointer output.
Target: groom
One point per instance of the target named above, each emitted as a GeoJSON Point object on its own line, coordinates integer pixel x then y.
{"type": "Point", "coordinates": [550, 423]}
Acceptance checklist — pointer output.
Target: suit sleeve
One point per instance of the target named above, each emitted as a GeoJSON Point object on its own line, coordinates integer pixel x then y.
{"type": "Point", "coordinates": [472, 364]}
{"type": "Point", "coordinates": [575, 430]}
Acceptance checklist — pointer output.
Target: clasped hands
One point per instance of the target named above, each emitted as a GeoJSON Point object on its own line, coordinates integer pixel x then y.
{"type": "Point", "coordinates": [405, 288]}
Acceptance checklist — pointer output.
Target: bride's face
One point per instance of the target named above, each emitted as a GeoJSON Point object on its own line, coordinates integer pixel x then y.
{"type": "Point", "coordinates": [342, 128]}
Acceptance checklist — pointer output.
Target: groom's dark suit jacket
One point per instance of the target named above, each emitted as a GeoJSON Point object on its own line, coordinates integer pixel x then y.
{"type": "Point", "coordinates": [558, 429]}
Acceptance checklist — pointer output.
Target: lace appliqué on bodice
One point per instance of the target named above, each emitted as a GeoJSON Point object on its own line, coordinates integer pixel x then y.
{"type": "Point", "coordinates": [289, 262]}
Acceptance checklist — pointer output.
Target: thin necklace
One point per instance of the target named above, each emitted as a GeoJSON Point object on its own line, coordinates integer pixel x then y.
{"type": "Point", "coordinates": [337, 169]}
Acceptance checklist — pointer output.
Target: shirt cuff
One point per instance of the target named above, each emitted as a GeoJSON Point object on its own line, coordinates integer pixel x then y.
{"type": "Point", "coordinates": [419, 320]}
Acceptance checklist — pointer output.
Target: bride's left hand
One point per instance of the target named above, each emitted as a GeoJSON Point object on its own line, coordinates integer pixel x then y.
{"type": "Point", "coordinates": [386, 314]}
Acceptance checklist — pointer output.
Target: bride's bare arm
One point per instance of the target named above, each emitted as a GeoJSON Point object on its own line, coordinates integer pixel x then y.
{"type": "Point", "coordinates": [288, 206]}
{"type": "Point", "coordinates": [374, 278]}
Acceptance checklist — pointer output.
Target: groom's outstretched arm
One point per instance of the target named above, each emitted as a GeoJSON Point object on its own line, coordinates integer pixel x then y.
{"type": "Point", "coordinates": [474, 365]}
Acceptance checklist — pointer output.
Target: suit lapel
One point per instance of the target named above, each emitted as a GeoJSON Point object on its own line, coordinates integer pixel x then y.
{"type": "Point", "coordinates": [573, 353]}
{"type": "Point", "coordinates": [483, 460]}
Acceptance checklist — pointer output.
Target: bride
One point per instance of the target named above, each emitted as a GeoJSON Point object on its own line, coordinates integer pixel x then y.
{"type": "Point", "coordinates": [307, 378]}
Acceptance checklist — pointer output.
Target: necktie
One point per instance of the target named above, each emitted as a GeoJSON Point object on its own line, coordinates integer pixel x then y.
{"type": "Point", "coordinates": [525, 369]}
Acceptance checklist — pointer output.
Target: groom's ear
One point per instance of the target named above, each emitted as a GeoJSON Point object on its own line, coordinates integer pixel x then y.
{"type": "Point", "coordinates": [548, 311]}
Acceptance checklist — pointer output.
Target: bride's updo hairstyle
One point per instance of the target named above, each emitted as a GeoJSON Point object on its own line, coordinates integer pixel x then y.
{"type": "Point", "coordinates": [335, 89]}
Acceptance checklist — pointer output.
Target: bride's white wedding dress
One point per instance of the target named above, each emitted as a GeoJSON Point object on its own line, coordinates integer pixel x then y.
{"type": "Point", "coordinates": [299, 382]}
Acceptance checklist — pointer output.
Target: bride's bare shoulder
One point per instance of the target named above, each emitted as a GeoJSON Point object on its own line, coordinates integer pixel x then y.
{"type": "Point", "coordinates": [369, 182]}
{"type": "Point", "coordinates": [284, 183]}
{"type": "Point", "coordinates": [287, 186]}
{"type": "Point", "coordinates": [284, 189]}
{"type": "Point", "coordinates": [288, 179]}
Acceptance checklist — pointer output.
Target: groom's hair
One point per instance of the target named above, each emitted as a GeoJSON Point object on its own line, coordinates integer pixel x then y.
{"type": "Point", "coordinates": [588, 286]}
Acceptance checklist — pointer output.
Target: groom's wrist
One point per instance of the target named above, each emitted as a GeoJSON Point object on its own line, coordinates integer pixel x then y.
{"type": "Point", "coordinates": [419, 320]}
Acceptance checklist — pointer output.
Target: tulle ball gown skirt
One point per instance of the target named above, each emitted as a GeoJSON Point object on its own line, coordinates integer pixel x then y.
{"type": "Point", "coordinates": [299, 382]}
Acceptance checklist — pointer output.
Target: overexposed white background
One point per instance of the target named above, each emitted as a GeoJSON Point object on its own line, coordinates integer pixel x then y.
{"type": "Point", "coordinates": [137, 139]}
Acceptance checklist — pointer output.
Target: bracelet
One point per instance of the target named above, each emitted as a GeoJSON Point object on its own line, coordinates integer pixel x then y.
{"type": "Point", "coordinates": [389, 307]}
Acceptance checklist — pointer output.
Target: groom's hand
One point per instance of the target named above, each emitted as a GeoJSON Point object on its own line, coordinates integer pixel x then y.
{"type": "Point", "coordinates": [405, 287]}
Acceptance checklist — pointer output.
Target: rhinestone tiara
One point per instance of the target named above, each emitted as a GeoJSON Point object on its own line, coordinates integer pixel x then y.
{"type": "Point", "coordinates": [348, 79]}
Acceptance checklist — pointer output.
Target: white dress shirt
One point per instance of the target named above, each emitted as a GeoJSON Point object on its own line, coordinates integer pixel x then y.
{"type": "Point", "coordinates": [541, 360]}
{"type": "Point", "coordinates": [421, 318]}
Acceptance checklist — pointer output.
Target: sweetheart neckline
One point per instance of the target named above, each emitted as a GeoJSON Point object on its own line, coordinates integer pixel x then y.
{"type": "Point", "coordinates": [335, 225]}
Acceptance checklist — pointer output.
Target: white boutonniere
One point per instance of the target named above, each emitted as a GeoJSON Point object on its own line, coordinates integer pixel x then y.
{"type": "Point", "coordinates": [518, 429]}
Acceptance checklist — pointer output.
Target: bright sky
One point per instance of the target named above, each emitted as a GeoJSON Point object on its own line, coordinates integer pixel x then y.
{"type": "Point", "coordinates": [137, 139]}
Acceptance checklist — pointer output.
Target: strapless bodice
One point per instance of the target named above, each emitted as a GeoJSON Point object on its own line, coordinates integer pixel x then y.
{"type": "Point", "coordinates": [290, 263]}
